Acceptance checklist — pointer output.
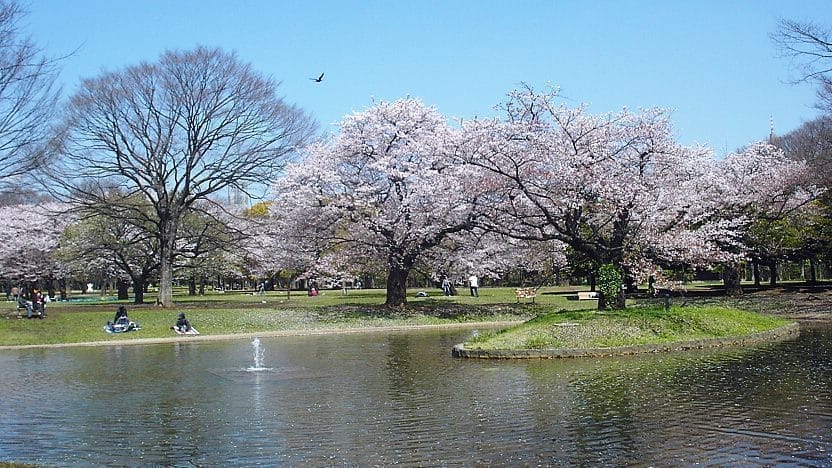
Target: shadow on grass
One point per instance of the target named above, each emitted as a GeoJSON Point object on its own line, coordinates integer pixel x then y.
{"type": "Point", "coordinates": [426, 308]}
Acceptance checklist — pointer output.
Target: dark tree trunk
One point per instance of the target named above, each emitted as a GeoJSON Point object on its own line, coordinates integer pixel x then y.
{"type": "Point", "coordinates": [757, 273]}
{"type": "Point", "coordinates": [397, 286]}
{"type": "Point", "coordinates": [202, 285]}
{"type": "Point", "coordinates": [50, 287]}
{"type": "Point", "coordinates": [192, 286]}
{"type": "Point", "coordinates": [602, 301]}
{"type": "Point", "coordinates": [772, 271]}
{"type": "Point", "coordinates": [138, 290]}
{"type": "Point", "coordinates": [123, 288]}
{"type": "Point", "coordinates": [731, 279]}
{"type": "Point", "coordinates": [813, 278]}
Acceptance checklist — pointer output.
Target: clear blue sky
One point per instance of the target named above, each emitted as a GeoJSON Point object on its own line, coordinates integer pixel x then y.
{"type": "Point", "coordinates": [710, 62]}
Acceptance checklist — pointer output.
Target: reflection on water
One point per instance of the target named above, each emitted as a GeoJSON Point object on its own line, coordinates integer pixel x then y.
{"type": "Point", "coordinates": [401, 398]}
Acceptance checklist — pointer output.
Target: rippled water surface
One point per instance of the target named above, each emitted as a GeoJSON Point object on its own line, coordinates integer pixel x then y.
{"type": "Point", "coordinates": [387, 398]}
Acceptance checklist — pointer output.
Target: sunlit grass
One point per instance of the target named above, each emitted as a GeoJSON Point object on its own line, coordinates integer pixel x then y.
{"type": "Point", "coordinates": [633, 326]}
{"type": "Point", "coordinates": [83, 319]}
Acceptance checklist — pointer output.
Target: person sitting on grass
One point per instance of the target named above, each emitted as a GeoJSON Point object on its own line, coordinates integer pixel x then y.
{"type": "Point", "coordinates": [121, 322]}
{"type": "Point", "coordinates": [121, 316]}
{"type": "Point", "coordinates": [183, 326]}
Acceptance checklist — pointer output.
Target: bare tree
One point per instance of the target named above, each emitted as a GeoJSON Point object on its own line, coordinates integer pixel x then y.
{"type": "Point", "coordinates": [27, 97]}
{"type": "Point", "coordinates": [173, 133]}
{"type": "Point", "coordinates": [810, 47]}
{"type": "Point", "coordinates": [812, 143]}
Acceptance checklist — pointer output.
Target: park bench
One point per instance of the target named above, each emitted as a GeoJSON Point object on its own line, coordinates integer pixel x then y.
{"type": "Point", "coordinates": [669, 287]}
{"type": "Point", "coordinates": [525, 293]}
{"type": "Point", "coordinates": [21, 312]}
{"type": "Point", "coordinates": [586, 295]}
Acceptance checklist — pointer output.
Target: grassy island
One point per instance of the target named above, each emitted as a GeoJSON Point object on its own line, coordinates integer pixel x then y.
{"type": "Point", "coordinates": [586, 329]}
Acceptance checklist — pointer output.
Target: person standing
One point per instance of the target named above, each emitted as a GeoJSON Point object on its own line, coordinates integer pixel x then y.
{"type": "Point", "coordinates": [446, 286]}
{"type": "Point", "coordinates": [474, 283]}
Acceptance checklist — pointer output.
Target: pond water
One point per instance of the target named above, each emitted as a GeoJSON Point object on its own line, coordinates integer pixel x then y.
{"type": "Point", "coordinates": [399, 397]}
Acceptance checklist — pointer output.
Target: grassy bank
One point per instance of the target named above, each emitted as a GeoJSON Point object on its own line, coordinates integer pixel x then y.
{"type": "Point", "coordinates": [82, 319]}
{"type": "Point", "coordinates": [633, 326]}
{"type": "Point", "coordinates": [227, 314]}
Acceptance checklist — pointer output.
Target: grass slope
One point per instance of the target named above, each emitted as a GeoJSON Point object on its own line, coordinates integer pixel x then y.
{"type": "Point", "coordinates": [632, 326]}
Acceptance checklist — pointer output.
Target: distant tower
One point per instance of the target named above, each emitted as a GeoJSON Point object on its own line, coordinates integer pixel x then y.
{"type": "Point", "coordinates": [237, 198]}
{"type": "Point", "coordinates": [771, 130]}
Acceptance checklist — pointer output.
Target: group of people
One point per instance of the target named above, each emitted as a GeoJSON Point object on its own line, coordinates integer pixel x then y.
{"type": "Point", "coordinates": [35, 305]}
{"type": "Point", "coordinates": [473, 284]}
{"type": "Point", "coordinates": [122, 323]}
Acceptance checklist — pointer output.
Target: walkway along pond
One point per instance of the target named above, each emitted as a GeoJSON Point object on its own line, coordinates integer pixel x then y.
{"type": "Point", "coordinates": [400, 397]}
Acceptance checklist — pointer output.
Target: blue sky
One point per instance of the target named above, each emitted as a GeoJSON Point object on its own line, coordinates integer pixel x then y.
{"type": "Point", "coordinates": [711, 63]}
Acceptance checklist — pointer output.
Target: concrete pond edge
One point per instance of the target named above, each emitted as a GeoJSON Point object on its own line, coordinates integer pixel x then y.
{"type": "Point", "coordinates": [778, 334]}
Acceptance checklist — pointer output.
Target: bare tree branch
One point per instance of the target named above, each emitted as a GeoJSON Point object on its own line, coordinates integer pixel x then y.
{"type": "Point", "coordinates": [27, 98]}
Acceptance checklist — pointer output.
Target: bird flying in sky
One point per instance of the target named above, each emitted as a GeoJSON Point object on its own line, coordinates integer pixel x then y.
{"type": "Point", "coordinates": [318, 79]}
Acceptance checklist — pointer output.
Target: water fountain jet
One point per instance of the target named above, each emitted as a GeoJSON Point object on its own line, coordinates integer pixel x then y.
{"type": "Point", "coordinates": [258, 357]}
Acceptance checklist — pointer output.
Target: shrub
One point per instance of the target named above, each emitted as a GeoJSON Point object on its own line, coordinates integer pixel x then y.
{"type": "Point", "coordinates": [609, 283]}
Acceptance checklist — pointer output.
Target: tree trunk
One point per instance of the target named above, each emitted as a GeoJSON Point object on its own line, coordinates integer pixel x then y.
{"type": "Point", "coordinates": [731, 279]}
{"type": "Point", "coordinates": [167, 250]}
{"type": "Point", "coordinates": [757, 274]}
{"type": "Point", "coordinates": [123, 287]}
{"type": "Point", "coordinates": [202, 285]}
{"type": "Point", "coordinates": [772, 271]}
{"type": "Point", "coordinates": [63, 288]}
{"type": "Point", "coordinates": [397, 286]}
{"type": "Point", "coordinates": [813, 278]}
{"type": "Point", "coordinates": [165, 295]}
{"type": "Point", "coordinates": [192, 286]}
{"type": "Point", "coordinates": [138, 290]}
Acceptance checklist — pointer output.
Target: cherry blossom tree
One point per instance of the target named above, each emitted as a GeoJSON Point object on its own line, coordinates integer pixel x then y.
{"type": "Point", "coordinates": [385, 188]}
{"type": "Point", "coordinates": [175, 133]}
{"type": "Point", "coordinates": [753, 188]}
{"type": "Point", "coordinates": [28, 241]}
{"type": "Point", "coordinates": [492, 255]}
{"type": "Point", "coordinates": [617, 188]}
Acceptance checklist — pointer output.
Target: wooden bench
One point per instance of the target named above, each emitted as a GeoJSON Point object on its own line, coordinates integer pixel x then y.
{"type": "Point", "coordinates": [669, 287]}
{"type": "Point", "coordinates": [22, 313]}
{"type": "Point", "coordinates": [525, 293]}
{"type": "Point", "coordinates": [586, 295]}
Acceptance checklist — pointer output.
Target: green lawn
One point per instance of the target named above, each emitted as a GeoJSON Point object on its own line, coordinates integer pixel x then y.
{"type": "Point", "coordinates": [633, 326]}
{"type": "Point", "coordinates": [83, 318]}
